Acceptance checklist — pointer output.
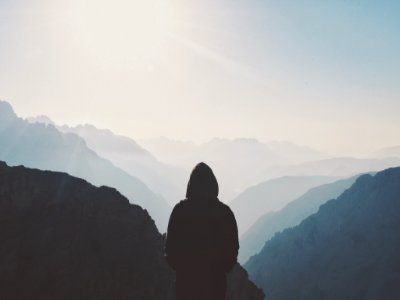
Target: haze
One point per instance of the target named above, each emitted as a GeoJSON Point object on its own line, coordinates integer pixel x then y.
{"type": "Point", "coordinates": [317, 73]}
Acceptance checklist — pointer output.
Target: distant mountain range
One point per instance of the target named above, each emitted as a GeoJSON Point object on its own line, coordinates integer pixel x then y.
{"type": "Point", "coordinates": [340, 166]}
{"type": "Point", "coordinates": [58, 231]}
{"type": "Point", "coordinates": [295, 154]}
{"type": "Point", "coordinates": [102, 157]}
{"type": "Point", "coordinates": [387, 152]}
{"type": "Point", "coordinates": [125, 153]}
{"type": "Point", "coordinates": [43, 146]}
{"type": "Point", "coordinates": [349, 249]}
{"type": "Point", "coordinates": [236, 163]}
{"type": "Point", "coordinates": [63, 238]}
{"type": "Point", "coordinates": [291, 215]}
{"type": "Point", "coordinates": [164, 164]}
{"type": "Point", "coordinates": [180, 152]}
{"type": "Point", "coordinates": [271, 196]}
{"type": "Point", "coordinates": [243, 162]}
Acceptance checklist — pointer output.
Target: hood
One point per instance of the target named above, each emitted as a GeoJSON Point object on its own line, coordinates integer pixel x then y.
{"type": "Point", "coordinates": [202, 183]}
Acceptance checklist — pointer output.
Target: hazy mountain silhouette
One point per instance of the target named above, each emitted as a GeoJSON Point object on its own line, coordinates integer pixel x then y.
{"type": "Point", "coordinates": [41, 119]}
{"type": "Point", "coordinates": [230, 157]}
{"type": "Point", "coordinates": [291, 215]}
{"type": "Point", "coordinates": [178, 152]}
{"type": "Point", "coordinates": [259, 161]}
{"type": "Point", "coordinates": [340, 166]}
{"type": "Point", "coordinates": [63, 238]}
{"type": "Point", "coordinates": [387, 152]}
{"type": "Point", "coordinates": [125, 153]}
{"type": "Point", "coordinates": [349, 249]}
{"type": "Point", "coordinates": [43, 146]}
{"type": "Point", "coordinates": [170, 151]}
{"type": "Point", "coordinates": [295, 154]}
{"type": "Point", "coordinates": [271, 196]}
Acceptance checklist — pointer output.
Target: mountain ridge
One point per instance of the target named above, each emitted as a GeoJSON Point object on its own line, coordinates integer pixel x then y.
{"type": "Point", "coordinates": [63, 238]}
{"type": "Point", "coordinates": [42, 146]}
{"type": "Point", "coordinates": [291, 215]}
{"type": "Point", "coordinates": [271, 195]}
{"type": "Point", "coordinates": [349, 249]}
{"type": "Point", "coordinates": [128, 155]}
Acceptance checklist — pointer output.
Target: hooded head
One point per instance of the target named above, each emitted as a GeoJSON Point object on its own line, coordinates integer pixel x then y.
{"type": "Point", "coordinates": [202, 183]}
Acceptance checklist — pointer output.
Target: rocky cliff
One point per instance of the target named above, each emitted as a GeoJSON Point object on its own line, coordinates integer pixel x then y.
{"type": "Point", "coordinates": [63, 238]}
{"type": "Point", "coordinates": [349, 249]}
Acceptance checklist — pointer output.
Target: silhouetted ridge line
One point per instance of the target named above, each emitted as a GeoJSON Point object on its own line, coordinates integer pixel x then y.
{"type": "Point", "coordinates": [43, 146]}
{"type": "Point", "coordinates": [349, 249]}
{"type": "Point", "coordinates": [291, 215]}
{"type": "Point", "coordinates": [63, 238]}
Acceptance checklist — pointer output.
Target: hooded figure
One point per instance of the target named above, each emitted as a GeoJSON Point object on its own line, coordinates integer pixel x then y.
{"type": "Point", "coordinates": [202, 239]}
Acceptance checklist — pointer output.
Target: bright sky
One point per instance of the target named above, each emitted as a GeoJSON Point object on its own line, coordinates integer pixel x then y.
{"type": "Point", "coordinates": [320, 73]}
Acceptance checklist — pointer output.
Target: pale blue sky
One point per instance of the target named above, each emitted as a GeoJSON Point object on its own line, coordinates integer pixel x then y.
{"type": "Point", "coordinates": [321, 73]}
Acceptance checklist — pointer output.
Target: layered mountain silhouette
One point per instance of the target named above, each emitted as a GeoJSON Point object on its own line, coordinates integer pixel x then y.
{"type": "Point", "coordinates": [393, 151]}
{"type": "Point", "coordinates": [126, 154]}
{"type": "Point", "coordinates": [270, 196]}
{"type": "Point", "coordinates": [63, 238]}
{"type": "Point", "coordinates": [41, 119]}
{"type": "Point", "coordinates": [43, 146]}
{"type": "Point", "coordinates": [349, 249]}
{"type": "Point", "coordinates": [340, 166]}
{"type": "Point", "coordinates": [238, 163]}
{"type": "Point", "coordinates": [178, 152]}
{"type": "Point", "coordinates": [228, 159]}
{"type": "Point", "coordinates": [295, 154]}
{"type": "Point", "coordinates": [243, 162]}
{"type": "Point", "coordinates": [291, 215]}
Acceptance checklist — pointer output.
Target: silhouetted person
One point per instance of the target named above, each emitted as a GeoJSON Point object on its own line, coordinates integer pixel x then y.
{"type": "Point", "coordinates": [202, 239]}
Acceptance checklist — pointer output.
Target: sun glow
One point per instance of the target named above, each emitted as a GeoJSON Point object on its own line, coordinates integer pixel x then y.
{"type": "Point", "coordinates": [125, 30]}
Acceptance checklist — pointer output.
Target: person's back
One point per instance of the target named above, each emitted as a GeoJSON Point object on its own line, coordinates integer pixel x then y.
{"type": "Point", "coordinates": [202, 239]}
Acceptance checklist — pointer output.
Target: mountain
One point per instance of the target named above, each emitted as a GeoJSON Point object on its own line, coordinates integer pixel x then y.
{"type": "Point", "coordinates": [41, 119]}
{"type": "Point", "coordinates": [170, 151]}
{"type": "Point", "coordinates": [291, 215]}
{"type": "Point", "coordinates": [228, 158]}
{"type": "Point", "coordinates": [295, 154]}
{"type": "Point", "coordinates": [63, 238]}
{"type": "Point", "coordinates": [43, 146]}
{"type": "Point", "coordinates": [125, 153]}
{"type": "Point", "coordinates": [387, 152]}
{"type": "Point", "coordinates": [177, 152]}
{"type": "Point", "coordinates": [239, 287]}
{"type": "Point", "coordinates": [340, 166]}
{"type": "Point", "coordinates": [7, 114]}
{"type": "Point", "coordinates": [238, 163]}
{"type": "Point", "coordinates": [349, 249]}
{"type": "Point", "coordinates": [271, 196]}
{"type": "Point", "coordinates": [241, 163]}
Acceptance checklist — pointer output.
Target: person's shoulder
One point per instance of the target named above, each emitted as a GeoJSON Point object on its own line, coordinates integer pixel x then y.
{"type": "Point", "coordinates": [224, 207]}
{"type": "Point", "coordinates": [181, 204]}
{"type": "Point", "coordinates": [222, 204]}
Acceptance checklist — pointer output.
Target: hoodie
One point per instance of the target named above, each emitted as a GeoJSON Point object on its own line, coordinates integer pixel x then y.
{"type": "Point", "coordinates": [202, 238]}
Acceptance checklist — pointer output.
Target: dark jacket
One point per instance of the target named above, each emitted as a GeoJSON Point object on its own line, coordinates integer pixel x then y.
{"type": "Point", "coordinates": [202, 239]}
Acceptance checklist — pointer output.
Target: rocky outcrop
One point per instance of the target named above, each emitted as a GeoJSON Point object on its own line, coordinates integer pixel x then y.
{"type": "Point", "coordinates": [63, 238]}
{"type": "Point", "coordinates": [349, 249]}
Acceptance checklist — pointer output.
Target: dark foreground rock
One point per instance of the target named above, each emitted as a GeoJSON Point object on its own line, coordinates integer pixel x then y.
{"type": "Point", "coordinates": [63, 238]}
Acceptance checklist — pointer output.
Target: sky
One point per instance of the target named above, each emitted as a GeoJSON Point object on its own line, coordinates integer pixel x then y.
{"type": "Point", "coordinates": [317, 73]}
